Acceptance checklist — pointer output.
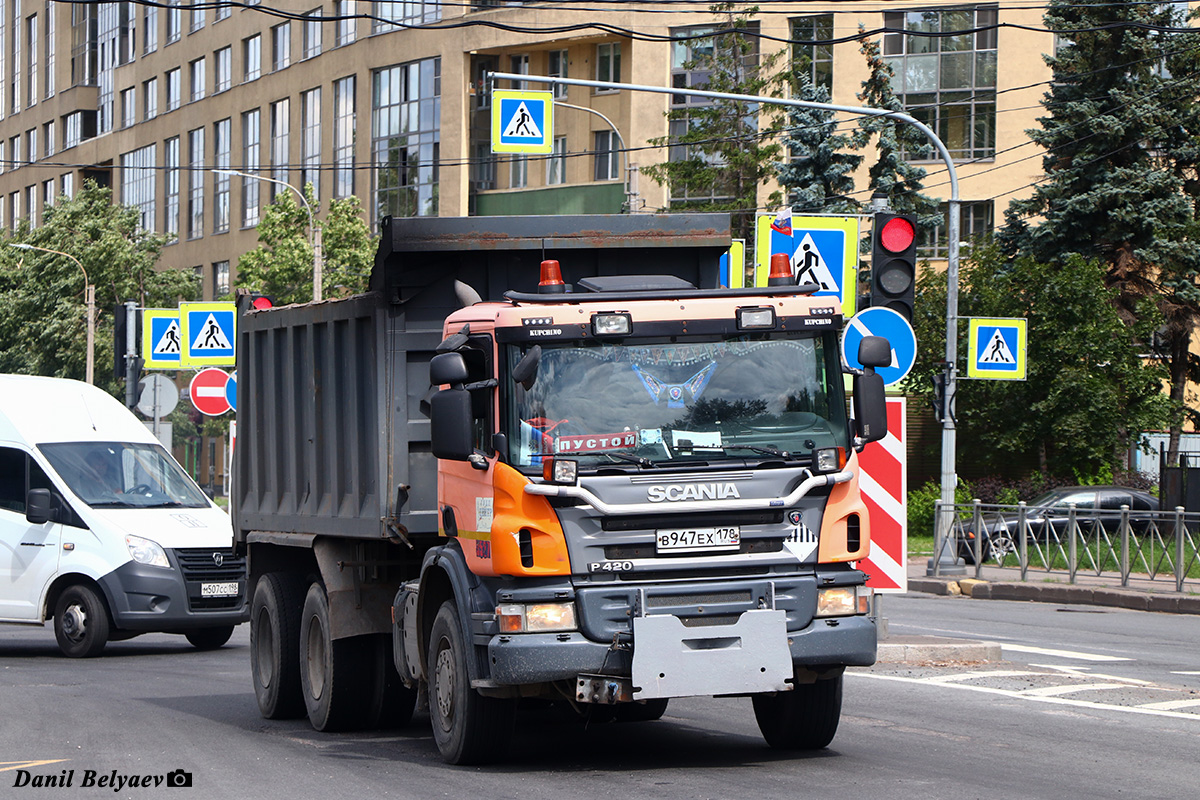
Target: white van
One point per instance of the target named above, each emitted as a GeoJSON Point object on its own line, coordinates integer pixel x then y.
{"type": "Point", "coordinates": [101, 530]}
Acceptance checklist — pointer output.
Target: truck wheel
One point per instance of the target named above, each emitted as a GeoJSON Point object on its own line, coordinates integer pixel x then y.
{"type": "Point", "coordinates": [332, 672]}
{"type": "Point", "coordinates": [468, 727]}
{"type": "Point", "coordinates": [392, 703]}
{"type": "Point", "coordinates": [80, 622]}
{"type": "Point", "coordinates": [805, 718]}
{"type": "Point", "coordinates": [209, 638]}
{"type": "Point", "coordinates": [274, 648]}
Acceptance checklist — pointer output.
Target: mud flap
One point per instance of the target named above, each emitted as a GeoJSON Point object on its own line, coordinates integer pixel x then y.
{"type": "Point", "coordinates": [748, 657]}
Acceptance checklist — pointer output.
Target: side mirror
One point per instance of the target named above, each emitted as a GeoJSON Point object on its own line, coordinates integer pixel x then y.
{"type": "Point", "coordinates": [526, 370]}
{"type": "Point", "coordinates": [39, 507]}
{"type": "Point", "coordinates": [875, 351]}
{"type": "Point", "coordinates": [448, 368]}
{"type": "Point", "coordinates": [451, 434]}
{"type": "Point", "coordinates": [870, 405]}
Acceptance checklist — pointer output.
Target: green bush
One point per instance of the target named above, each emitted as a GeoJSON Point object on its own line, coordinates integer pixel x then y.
{"type": "Point", "coordinates": [921, 503]}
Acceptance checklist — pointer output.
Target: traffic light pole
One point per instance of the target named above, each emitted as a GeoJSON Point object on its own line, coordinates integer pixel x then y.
{"type": "Point", "coordinates": [944, 561]}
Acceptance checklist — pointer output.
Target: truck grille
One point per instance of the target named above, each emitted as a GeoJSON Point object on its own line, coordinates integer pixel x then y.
{"type": "Point", "coordinates": [198, 566]}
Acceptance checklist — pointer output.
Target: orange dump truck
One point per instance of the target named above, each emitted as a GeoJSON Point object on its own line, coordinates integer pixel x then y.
{"type": "Point", "coordinates": [549, 457]}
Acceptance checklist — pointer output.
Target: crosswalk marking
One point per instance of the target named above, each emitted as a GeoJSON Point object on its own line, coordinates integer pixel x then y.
{"type": "Point", "coordinates": [995, 673]}
{"type": "Point", "coordinates": [1044, 651]}
{"type": "Point", "coordinates": [1055, 691]}
{"type": "Point", "coordinates": [1171, 705]}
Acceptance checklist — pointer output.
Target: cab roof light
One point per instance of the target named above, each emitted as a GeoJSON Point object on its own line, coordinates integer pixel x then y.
{"type": "Point", "coordinates": [781, 271]}
{"type": "Point", "coordinates": [756, 317]}
{"type": "Point", "coordinates": [612, 324]}
{"type": "Point", "coordinates": [551, 281]}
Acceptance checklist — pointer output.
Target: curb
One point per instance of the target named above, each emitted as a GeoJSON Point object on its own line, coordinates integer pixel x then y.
{"type": "Point", "coordinates": [1166, 602]}
{"type": "Point", "coordinates": [916, 649]}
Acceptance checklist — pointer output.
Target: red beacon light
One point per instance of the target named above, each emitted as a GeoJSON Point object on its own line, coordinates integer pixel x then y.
{"type": "Point", "coordinates": [551, 282]}
{"type": "Point", "coordinates": [781, 271]}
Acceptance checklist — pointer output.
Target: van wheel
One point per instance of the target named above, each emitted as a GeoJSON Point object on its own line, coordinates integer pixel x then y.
{"type": "Point", "coordinates": [468, 727]}
{"type": "Point", "coordinates": [805, 718]}
{"type": "Point", "coordinates": [332, 672]}
{"type": "Point", "coordinates": [209, 638]}
{"type": "Point", "coordinates": [274, 652]}
{"type": "Point", "coordinates": [80, 622]}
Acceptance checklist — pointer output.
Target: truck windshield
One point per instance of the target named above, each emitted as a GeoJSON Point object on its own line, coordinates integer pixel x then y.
{"type": "Point", "coordinates": [650, 403]}
{"type": "Point", "coordinates": [123, 475]}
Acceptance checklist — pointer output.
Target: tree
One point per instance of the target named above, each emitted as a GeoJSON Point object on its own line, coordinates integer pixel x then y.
{"type": "Point", "coordinates": [1121, 161]}
{"type": "Point", "coordinates": [281, 267]}
{"type": "Point", "coordinates": [897, 144]}
{"type": "Point", "coordinates": [1087, 394]}
{"type": "Point", "coordinates": [819, 176]}
{"type": "Point", "coordinates": [719, 157]}
{"type": "Point", "coordinates": [42, 313]}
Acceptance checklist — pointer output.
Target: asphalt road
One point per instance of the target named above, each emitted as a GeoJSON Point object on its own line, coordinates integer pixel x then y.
{"type": "Point", "coordinates": [1023, 728]}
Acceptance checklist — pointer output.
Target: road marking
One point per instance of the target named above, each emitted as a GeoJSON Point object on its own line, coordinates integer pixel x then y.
{"type": "Point", "coordinates": [1171, 705]}
{"type": "Point", "coordinates": [1055, 691]}
{"type": "Point", "coordinates": [1043, 651]}
{"type": "Point", "coordinates": [1186, 672]}
{"type": "Point", "coordinates": [1060, 701]}
{"type": "Point", "coordinates": [1085, 672]}
{"type": "Point", "coordinates": [9, 766]}
{"type": "Point", "coordinates": [995, 673]}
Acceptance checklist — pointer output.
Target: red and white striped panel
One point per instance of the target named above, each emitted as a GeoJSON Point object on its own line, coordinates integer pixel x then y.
{"type": "Point", "coordinates": [884, 486]}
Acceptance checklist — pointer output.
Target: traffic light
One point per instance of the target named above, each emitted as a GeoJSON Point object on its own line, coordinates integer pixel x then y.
{"type": "Point", "coordinates": [894, 263]}
{"type": "Point", "coordinates": [260, 301]}
{"type": "Point", "coordinates": [938, 400]}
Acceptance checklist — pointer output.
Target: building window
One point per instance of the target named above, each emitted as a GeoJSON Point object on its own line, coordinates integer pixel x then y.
{"type": "Point", "coordinates": [948, 82]}
{"type": "Point", "coordinates": [18, 65]}
{"type": "Point", "coordinates": [606, 156]}
{"type": "Point", "coordinates": [518, 172]}
{"type": "Point", "coordinates": [137, 183]}
{"type": "Point", "coordinates": [312, 33]}
{"type": "Point", "coordinates": [251, 58]}
{"type": "Point", "coordinates": [31, 205]}
{"type": "Point", "coordinates": [196, 73]}
{"type": "Point", "coordinates": [171, 184]}
{"type": "Point", "coordinates": [51, 47]}
{"type": "Point", "coordinates": [485, 167]}
{"type": "Point", "coordinates": [68, 184]}
{"type": "Point", "coordinates": [72, 132]}
{"type": "Point", "coordinates": [608, 63]}
{"type": "Point", "coordinates": [556, 67]}
{"type": "Point", "coordinates": [281, 46]}
{"type": "Point", "coordinates": [310, 139]}
{"type": "Point", "coordinates": [975, 224]}
{"type": "Point", "coordinates": [14, 144]}
{"type": "Point", "coordinates": [406, 139]}
{"type": "Point", "coordinates": [150, 98]}
{"type": "Point", "coordinates": [196, 171]}
{"type": "Point", "coordinates": [149, 29]}
{"type": "Point", "coordinates": [220, 279]}
{"type": "Point", "coordinates": [173, 88]}
{"type": "Point", "coordinates": [48, 138]}
{"type": "Point", "coordinates": [31, 47]}
{"type": "Point", "coordinates": [174, 23]}
{"type": "Point", "coordinates": [251, 138]}
{"type": "Point", "coordinates": [222, 68]}
{"type": "Point", "coordinates": [128, 107]}
{"type": "Point", "coordinates": [346, 22]}
{"type": "Point", "coordinates": [281, 125]}
{"type": "Point", "coordinates": [14, 207]}
{"type": "Point", "coordinates": [407, 12]}
{"type": "Point", "coordinates": [344, 109]}
{"type": "Point", "coordinates": [556, 165]}
{"type": "Point", "coordinates": [813, 60]}
{"type": "Point", "coordinates": [198, 18]}
{"type": "Point", "coordinates": [222, 131]}
{"type": "Point", "coordinates": [31, 137]}
{"type": "Point", "coordinates": [48, 193]}
{"type": "Point", "coordinates": [223, 11]}
{"type": "Point", "coordinates": [519, 65]}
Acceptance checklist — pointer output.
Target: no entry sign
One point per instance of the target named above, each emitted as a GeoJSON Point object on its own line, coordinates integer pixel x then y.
{"type": "Point", "coordinates": [207, 391]}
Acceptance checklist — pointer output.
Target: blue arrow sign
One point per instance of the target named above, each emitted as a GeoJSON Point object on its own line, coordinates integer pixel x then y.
{"type": "Point", "coordinates": [231, 390]}
{"type": "Point", "coordinates": [891, 326]}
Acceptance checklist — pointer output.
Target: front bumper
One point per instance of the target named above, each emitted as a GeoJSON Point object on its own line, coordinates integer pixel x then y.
{"type": "Point", "coordinates": [146, 599]}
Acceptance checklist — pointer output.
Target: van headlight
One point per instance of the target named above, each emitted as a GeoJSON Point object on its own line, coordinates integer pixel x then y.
{"type": "Point", "coordinates": [144, 551]}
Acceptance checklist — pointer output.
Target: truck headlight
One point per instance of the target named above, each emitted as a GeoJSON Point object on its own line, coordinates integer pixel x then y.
{"type": "Point", "coordinates": [144, 551]}
{"type": "Point", "coordinates": [536, 617]}
{"type": "Point", "coordinates": [843, 601]}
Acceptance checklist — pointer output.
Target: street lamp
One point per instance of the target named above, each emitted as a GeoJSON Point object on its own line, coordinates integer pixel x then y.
{"type": "Point", "coordinates": [318, 253]}
{"type": "Point", "coordinates": [89, 293]}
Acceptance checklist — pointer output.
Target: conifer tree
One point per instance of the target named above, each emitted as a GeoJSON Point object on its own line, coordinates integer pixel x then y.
{"type": "Point", "coordinates": [818, 177]}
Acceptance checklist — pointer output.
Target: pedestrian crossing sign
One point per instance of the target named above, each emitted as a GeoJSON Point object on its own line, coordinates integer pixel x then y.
{"type": "Point", "coordinates": [823, 251]}
{"type": "Point", "coordinates": [207, 334]}
{"type": "Point", "coordinates": [997, 348]}
{"type": "Point", "coordinates": [522, 121]}
{"type": "Point", "coordinates": [161, 340]}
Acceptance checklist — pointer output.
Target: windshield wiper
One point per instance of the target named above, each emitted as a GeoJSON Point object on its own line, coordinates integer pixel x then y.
{"type": "Point", "coordinates": [114, 504]}
{"type": "Point", "coordinates": [641, 461]}
{"type": "Point", "coordinates": [766, 451]}
{"type": "Point", "coordinates": [168, 504]}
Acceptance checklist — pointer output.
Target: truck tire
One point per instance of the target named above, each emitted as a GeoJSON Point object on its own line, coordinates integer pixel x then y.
{"type": "Point", "coordinates": [333, 672]}
{"type": "Point", "coordinates": [209, 638]}
{"type": "Point", "coordinates": [81, 622]}
{"type": "Point", "coordinates": [392, 703]}
{"type": "Point", "coordinates": [274, 648]}
{"type": "Point", "coordinates": [467, 727]}
{"type": "Point", "coordinates": [805, 718]}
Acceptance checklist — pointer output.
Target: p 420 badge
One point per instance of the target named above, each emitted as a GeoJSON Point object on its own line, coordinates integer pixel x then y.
{"type": "Point", "coordinates": [610, 566]}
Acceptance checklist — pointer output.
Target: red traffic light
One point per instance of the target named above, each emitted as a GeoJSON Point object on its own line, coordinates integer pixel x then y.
{"type": "Point", "coordinates": [260, 302]}
{"type": "Point", "coordinates": [897, 235]}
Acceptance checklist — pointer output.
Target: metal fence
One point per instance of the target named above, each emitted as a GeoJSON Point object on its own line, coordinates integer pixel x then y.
{"type": "Point", "coordinates": [1150, 545]}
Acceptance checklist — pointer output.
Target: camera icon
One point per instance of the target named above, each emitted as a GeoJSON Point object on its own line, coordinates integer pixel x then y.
{"type": "Point", "coordinates": [179, 778]}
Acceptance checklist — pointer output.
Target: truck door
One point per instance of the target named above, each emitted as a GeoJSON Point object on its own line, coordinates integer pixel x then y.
{"type": "Point", "coordinates": [28, 553]}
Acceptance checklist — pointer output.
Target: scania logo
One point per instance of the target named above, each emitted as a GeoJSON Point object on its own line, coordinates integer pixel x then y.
{"type": "Point", "coordinates": [218, 559]}
{"type": "Point", "coordinates": [692, 491]}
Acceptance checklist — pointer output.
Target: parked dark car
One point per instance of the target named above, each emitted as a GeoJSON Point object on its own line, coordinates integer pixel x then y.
{"type": "Point", "coordinates": [1047, 514]}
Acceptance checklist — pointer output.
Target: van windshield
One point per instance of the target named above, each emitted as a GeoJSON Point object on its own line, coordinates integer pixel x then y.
{"type": "Point", "coordinates": [123, 475]}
